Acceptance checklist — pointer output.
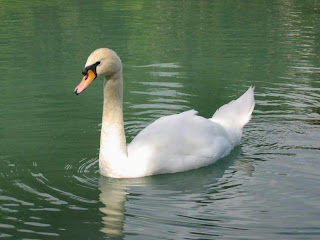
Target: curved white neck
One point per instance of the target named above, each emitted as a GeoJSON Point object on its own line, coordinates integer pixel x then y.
{"type": "Point", "coordinates": [113, 150]}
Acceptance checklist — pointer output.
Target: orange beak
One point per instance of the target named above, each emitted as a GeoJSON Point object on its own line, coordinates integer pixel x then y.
{"type": "Point", "coordinates": [85, 82]}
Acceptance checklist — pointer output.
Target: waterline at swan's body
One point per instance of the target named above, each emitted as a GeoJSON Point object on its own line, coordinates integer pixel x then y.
{"type": "Point", "coordinates": [174, 143]}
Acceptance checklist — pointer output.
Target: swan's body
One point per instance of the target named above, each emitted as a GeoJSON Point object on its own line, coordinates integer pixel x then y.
{"type": "Point", "coordinates": [174, 143]}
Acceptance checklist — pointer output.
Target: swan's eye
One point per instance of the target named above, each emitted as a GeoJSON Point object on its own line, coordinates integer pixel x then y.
{"type": "Point", "coordinates": [91, 67]}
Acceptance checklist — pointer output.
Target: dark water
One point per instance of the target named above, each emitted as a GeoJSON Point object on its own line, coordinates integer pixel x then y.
{"type": "Point", "coordinates": [177, 55]}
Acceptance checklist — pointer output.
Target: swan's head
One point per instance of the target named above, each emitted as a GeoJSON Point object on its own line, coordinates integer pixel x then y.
{"type": "Point", "coordinates": [101, 62]}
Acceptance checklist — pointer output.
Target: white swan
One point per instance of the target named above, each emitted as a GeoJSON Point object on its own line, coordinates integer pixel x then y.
{"type": "Point", "coordinates": [175, 143]}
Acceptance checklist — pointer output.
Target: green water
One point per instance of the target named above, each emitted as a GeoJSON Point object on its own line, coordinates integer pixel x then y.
{"type": "Point", "coordinates": [177, 55]}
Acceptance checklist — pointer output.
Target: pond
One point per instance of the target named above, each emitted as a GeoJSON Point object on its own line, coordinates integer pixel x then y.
{"type": "Point", "coordinates": [177, 56]}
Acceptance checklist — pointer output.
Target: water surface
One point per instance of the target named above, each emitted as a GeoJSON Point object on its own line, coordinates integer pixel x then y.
{"type": "Point", "coordinates": [176, 56]}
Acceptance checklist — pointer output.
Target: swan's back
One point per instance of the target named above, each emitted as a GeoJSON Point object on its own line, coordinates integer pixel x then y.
{"type": "Point", "coordinates": [186, 141]}
{"type": "Point", "coordinates": [180, 142]}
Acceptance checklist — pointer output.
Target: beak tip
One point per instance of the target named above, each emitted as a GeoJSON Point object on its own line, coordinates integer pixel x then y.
{"type": "Point", "coordinates": [86, 80]}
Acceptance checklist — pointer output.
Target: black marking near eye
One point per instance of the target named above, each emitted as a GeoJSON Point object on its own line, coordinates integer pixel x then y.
{"type": "Point", "coordinates": [92, 67]}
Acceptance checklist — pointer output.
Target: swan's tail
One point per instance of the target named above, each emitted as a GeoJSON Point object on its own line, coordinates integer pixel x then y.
{"type": "Point", "coordinates": [236, 113]}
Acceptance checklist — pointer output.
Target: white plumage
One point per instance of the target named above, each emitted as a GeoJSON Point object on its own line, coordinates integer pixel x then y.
{"type": "Point", "coordinates": [174, 143]}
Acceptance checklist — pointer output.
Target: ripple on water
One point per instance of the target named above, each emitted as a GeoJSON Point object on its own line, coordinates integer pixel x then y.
{"type": "Point", "coordinates": [44, 199]}
{"type": "Point", "coordinates": [154, 206]}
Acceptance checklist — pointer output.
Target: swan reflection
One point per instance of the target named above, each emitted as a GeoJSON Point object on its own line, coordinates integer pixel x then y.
{"type": "Point", "coordinates": [113, 196]}
{"type": "Point", "coordinates": [149, 198]}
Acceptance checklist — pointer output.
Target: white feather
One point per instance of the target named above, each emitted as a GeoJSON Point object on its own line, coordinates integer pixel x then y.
{"type": "Point", "coordinates": [175, 143]}
{"type": "Point", "coordinates": [186, 141]}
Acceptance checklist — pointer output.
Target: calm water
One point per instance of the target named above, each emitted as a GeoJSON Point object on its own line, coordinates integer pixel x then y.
{"type": "Point", "coordinates": [176, 56]}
